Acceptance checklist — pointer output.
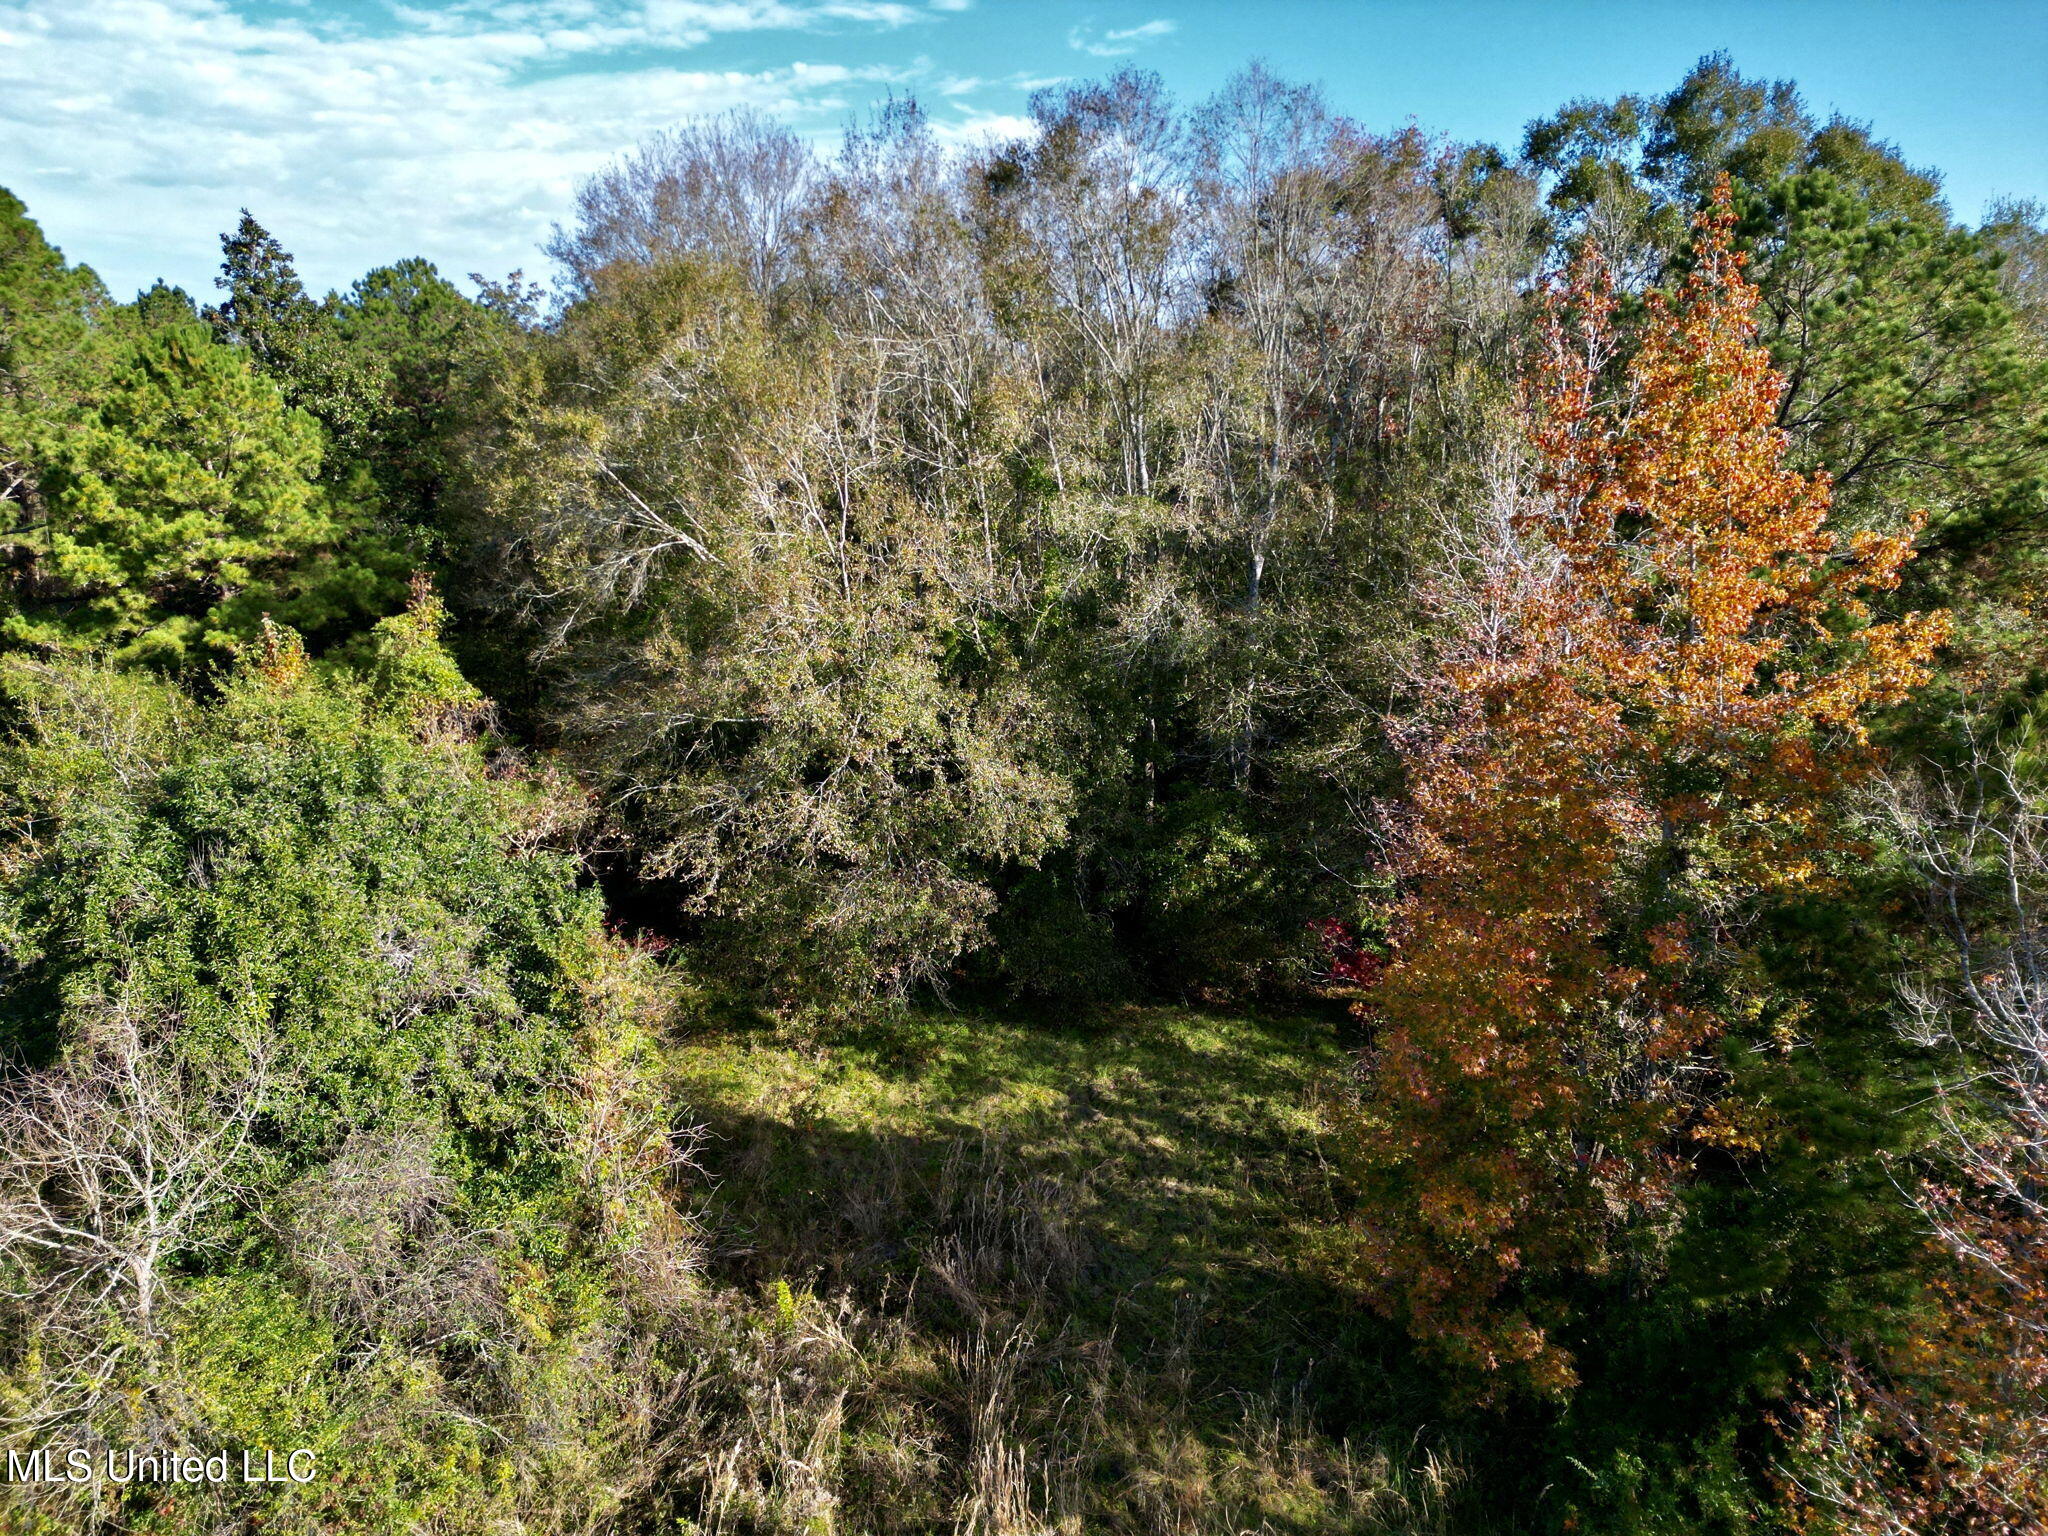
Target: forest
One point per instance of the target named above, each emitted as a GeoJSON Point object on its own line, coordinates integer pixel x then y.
{"type": "Point", "coordinates": [1205, 823]}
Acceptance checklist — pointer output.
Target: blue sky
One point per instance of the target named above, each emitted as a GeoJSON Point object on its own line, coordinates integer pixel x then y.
{"type": "Point", "coordinates": [365, 130]}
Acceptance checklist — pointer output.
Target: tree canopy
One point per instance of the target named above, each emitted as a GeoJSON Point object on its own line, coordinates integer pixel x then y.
{"type": "Point", "coordinates": [1424, 754]}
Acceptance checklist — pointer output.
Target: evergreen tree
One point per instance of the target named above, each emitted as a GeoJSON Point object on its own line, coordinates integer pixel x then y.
{"type": "Point", "coordinates": [162, 306]}
{"type": "Point", "coordinates": [185, 504]}
{"type": "Point", "coordinates": [422, 347]}
{"type": "Point", "coordinates": [1912, 377]}
{"type": "Point", "coordinates": [52, 346]}
{"type": "Point", "coordinates": [291, 338]}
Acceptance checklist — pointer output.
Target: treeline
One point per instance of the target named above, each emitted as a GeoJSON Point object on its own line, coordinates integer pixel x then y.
{"type": "Point", "coordinates": [1206, 553]}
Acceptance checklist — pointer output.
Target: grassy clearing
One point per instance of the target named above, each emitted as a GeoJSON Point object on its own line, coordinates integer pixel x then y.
{"type": "Point", "coordinates": [991, 1275]}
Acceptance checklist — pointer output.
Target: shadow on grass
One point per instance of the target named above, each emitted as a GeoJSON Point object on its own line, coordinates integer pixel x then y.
{"type": "Point", "coordinates": [1154, 1181]}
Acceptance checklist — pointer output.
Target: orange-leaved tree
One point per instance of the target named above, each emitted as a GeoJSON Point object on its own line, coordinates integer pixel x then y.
{"type": "Point", "coordinates": [1655, 731]}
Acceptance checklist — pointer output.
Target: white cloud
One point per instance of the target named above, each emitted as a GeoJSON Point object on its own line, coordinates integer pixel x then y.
{"type": "Point", "coordinates": [980, 130]}
{"type": "Point", "coordinates": [135, 129]}
{"type": "Point", "coordinates": [1118, 40]}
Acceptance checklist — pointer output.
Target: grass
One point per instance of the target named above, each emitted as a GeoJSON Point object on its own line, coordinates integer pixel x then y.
{"type": "Point", "coordinates": [1004, 1275]}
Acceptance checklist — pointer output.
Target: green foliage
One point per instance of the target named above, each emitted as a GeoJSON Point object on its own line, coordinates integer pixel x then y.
{"type": "Point", "coordinates": [162, 307]}
{"type": "Point", "coordinates": [393, 370]}
{"type": "Point", "coordinates": [289, 337]}
{"type": "Point", "coordinates": [857, 645]}
{"type": "Point", "coordinates": [773, 657]}
{"type": "Point", "coordinates": [291, 858]}
{"type": "Point", "coordinates": [161, 495]}
{"type": "Point", "coordinates": [1690, 1347]}
{"type": "Point", "coordinates": [335, 929]}
{"type": "Point", "coordinates": [1916, 379]}
{"type": "Point", "coordinates": [52, 337]}
{"type": "Point", "coordinates": [993, 575]}
{"type": "Point", "coordinates": [1057, 946]}
{"type": "Point", "coordinates": [48, 313]}
{"type": "Point", "coordinates": [2017, 230]}
{"type": "Point", "coordinates": [183, 505]}
{"type": "Point", "coordinates": [424, 348]}
{"type": "Point", "coordinates": [403, 659]}
{"type": "Point", "coordinates": [1910, 377]}
{"type": "Point", "coordinates": [1632, 170]}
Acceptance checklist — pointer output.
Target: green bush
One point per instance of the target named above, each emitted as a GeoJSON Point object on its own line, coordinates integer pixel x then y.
{"type": "Point", "coordinates": [329, 1051]}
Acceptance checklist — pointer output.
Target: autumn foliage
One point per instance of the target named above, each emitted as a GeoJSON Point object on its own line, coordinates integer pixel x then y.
{"type": "Point", "coordinates": [1652, 729]}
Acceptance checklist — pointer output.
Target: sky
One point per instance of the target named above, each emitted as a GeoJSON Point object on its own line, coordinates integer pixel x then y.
{"type": "Point", "coordinates": [362, 131]}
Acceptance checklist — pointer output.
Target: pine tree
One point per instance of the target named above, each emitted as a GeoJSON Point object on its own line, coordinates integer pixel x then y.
{"type": "Point", "coordinates": [185, 504]}
{"type": "Point", "coordinates": [289, 336]}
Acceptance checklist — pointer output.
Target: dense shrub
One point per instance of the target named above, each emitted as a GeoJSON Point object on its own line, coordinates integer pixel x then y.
{"type": "Point", "coordinates": [331, 1127]}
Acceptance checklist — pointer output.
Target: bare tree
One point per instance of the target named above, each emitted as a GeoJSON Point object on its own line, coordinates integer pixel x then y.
{"type": "Point", "coordinates": [111, 1163]}
{"type": "Point", "coordinates": [375, 1236]}
{"type": "Point", "coordinates": [1268, 203]}
{"type": "Point", "coordinates": [1086, 232]}
{"type": "Point", "coordinates": [1950, 1430]}
{"type": "Point", "coordinates": [726, 187]}
{"type": "Point", "coordinates": [896, 263]}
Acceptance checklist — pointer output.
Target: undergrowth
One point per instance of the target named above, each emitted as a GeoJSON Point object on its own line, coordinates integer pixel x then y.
{"type": "Point", "coordinates": [989, 1276]}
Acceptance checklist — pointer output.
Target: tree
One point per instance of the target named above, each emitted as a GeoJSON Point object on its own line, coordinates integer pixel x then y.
{"type": "Point", "coordinates": [1086, 234]}
{"type": "Point", "coordinates": [2017, 228]}
{"type": "Point", "coordinates": [392, 369]}
{"type": "Point", "coordinates": [1910, 376]}
{"type": "Point", "coordinates": [1946, 1426]}
{"type": "Point", "coordinates": [1153, 412]}
{"type": "Point", "coordinates": [331, 1122]}
{"type": "Point", "coordinates": [52, 337]}
{"type": "Point", "coordinates": [1908, 373]}
{"type": "Point", "coordinates": [163, 494]}
{"type": "Point", "coordinates": [767, 648]}
{"type": "Point", "coordinates": [291, 338]}
{"type": "Point", "coordinates": [161, 307]}
{"type": "Point", "coordinates": [727, 188]}
{"type": "Point", "coordinates": [113, 1165]}
{"type": "Point", "coordinates": [185, 503]}
{"type": "Point", "coordinates": [421, 347]}
{"type": "Point", "coordinates": [1627, 174]}
{"type": "Point", "coordinates": [1648, 728]}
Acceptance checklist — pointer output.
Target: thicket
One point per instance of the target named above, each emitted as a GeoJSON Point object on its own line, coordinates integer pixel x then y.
{"type": "Point", "coordinates": [1215, 554]}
